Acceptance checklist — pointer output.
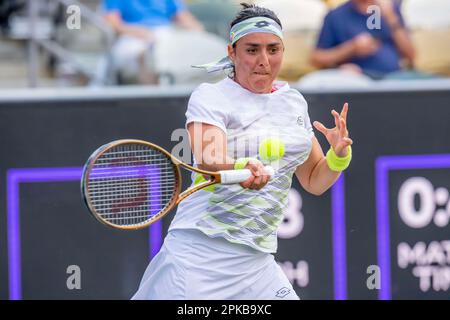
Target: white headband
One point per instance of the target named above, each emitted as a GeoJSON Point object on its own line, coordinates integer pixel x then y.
{"type": "Point", "coordinates": [239, 30]}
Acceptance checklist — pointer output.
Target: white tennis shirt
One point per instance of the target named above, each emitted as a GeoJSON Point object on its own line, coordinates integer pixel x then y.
{"type": "Point", "coordinates": [246, 216]}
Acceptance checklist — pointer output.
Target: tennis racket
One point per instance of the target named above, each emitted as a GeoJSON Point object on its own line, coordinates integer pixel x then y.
{"type": "Point", "coordinates": [130, 184]}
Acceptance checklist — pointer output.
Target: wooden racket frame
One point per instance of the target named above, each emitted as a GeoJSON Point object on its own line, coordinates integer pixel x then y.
{"type": "Point", "coordinates": [177, 196]}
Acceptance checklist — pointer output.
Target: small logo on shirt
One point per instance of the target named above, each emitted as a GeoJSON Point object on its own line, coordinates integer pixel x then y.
{"type": "Point", "coordinates": [283, 292]}
{"type": "Point", "coordinates": [300, 121]}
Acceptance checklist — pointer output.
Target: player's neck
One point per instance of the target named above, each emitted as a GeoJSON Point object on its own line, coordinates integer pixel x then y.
{"type": "Point", "coordinates": [270, 89]}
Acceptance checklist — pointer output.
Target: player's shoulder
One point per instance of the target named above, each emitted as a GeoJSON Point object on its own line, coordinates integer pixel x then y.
{"type": "Point", "coordinates": [204, 91]}
{"type": "Point", "coordinates": [221, 93]}
{"type": "Point", "coordinates": [210, 87]}
{"type": "Point", "coordinates": [298, 96]}
{"type": "Point", "coordinates": [298, 101]}
{"type": "Point", "coordinates": [212, 95]}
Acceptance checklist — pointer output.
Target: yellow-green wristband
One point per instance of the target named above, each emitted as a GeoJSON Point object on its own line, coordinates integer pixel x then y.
{"type": "Point", "coordinates": [336, 163]}
{"type": "Point", "coordinates": [241, 163]}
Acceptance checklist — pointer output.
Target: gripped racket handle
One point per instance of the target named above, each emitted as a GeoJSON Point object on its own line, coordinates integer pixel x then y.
{"type": "Point", "coordinates": [238, 176]}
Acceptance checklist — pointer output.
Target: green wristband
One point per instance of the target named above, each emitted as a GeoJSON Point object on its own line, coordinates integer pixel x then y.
{"type": "Point", "coordinates": [241, 163]}
{"type": "Point", "coordinates": [336, 163]}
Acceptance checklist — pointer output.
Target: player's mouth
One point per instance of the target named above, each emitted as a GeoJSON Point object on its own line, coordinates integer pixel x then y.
{"type": "Point", "coordinates": [261, 73]}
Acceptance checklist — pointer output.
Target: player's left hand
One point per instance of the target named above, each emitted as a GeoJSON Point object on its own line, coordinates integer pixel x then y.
{"type": "Point", "coordinates": [338, 136]}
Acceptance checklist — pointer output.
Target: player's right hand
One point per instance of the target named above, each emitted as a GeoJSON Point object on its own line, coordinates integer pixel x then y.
{"type": "Point", "coordinates": [259, 177]}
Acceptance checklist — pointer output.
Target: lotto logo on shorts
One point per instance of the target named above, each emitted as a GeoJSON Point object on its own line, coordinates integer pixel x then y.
{"type": "Point", "coordinates": [283, 292]}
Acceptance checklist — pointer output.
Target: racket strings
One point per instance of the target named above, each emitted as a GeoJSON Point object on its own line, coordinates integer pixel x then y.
{"type": "Point", "coordinates": [113, 192]}
{"type": "Point", "coordinates": [130, 181]}
{"type": "Point", "coordinates": [131, 184]}
{"type": "Point", "coordinates": [136, 159]}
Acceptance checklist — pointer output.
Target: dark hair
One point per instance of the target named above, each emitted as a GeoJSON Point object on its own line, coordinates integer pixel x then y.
{"type": "Point", "coordinates": [252, 10]}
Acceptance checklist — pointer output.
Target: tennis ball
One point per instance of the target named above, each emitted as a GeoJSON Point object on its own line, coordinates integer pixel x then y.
{"type": "Point", "coordinates": [271, 149]}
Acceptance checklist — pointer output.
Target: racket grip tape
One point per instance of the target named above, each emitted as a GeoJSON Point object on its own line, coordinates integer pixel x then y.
{"type": "Point", "coordinates": [238, 176]}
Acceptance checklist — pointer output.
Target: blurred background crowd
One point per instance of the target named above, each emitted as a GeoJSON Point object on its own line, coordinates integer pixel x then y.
{"type": "Point", "coordinates": [95, 43]}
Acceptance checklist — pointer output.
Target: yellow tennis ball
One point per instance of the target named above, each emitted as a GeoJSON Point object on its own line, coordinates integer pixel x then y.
{"type": "Point", "coordinates": [271, 149]}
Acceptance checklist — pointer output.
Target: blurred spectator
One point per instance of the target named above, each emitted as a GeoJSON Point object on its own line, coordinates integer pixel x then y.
{"type": "Point", "coordinates": [298, 15]}
{"type": "Point", "coordinates": [346, 40]}
{"type": "Point", "coordinates": [301, 21]}
{"type": "Point", "coordinates": [139, 23]}
{"type": "Point", "coordinates": [429, 23]}
{"type": "Point", "coordinates": [7, 8]}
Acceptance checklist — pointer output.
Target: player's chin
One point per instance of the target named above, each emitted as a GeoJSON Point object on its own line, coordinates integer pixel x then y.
{"type": "Point", "coordinates": [262, 85]}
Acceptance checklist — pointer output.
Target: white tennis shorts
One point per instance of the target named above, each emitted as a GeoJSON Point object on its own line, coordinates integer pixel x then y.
{"type": "Point", "coordinates": [193, 266]}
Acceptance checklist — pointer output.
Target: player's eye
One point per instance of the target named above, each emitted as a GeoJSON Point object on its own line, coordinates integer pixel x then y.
{"type": "Point", "coordinates": [274, 50]}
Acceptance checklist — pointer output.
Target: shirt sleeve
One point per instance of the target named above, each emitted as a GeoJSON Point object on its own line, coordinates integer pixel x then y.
{"type": "Point", "coordinates": [204, 106]}
{"type": "Point", "coordinates": [307, 120]}
{"type": "Point", "coordinates": [176, 6]}
{"type": "Point", "coordinates": [327, 38]}
{"type": "Point", "coordinates": [308, 125]}
{"type": "Point", "coordinates": [111, 5]}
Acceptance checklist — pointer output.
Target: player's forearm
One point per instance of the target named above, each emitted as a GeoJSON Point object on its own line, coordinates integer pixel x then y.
{"type": "Point", "coordinates": [216, 162]}
{"type": "Point", "coordinates": [322, 178]}
{"type": "Point", "coordinates": [326, 58]}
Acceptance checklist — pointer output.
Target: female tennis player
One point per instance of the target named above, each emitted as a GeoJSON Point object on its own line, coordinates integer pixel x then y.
{"type": "Point", "coordinates": [221, 242]}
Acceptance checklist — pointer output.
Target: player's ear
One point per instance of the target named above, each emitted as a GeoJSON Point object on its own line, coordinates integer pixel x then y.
{"type": "Point", "coordinates": [231, 52]}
